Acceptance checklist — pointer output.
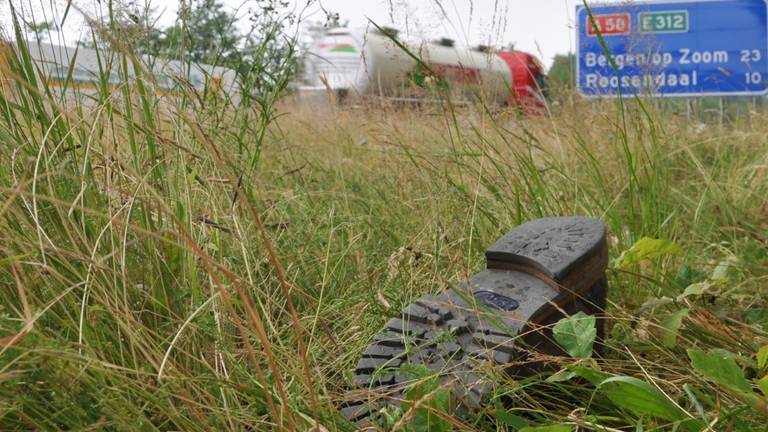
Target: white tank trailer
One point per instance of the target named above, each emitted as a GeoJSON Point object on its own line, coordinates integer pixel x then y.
{"type": "Point", "coordinates": [362, 63]}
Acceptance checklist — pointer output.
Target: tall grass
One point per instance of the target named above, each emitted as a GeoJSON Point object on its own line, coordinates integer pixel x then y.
{"type": "Point", "coordinates": [187, 264]}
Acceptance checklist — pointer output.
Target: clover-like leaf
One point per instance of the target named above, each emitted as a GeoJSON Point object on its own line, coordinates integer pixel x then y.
{"type": "Point", "coordinates": [576, 334]}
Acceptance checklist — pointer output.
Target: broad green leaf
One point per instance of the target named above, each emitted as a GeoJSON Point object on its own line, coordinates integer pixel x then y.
{"type": "Point", "coordinates": [687, 275]}
{"type": "Point", "coordinates": [414, 372]}
{"type": "Point", "coordinates": [719, 369]}
{"type": "Point", "coordinates": [671, 327]}
{"type": "Point", "coordinates": [550, 428]}
{"type": "Point", "coordinates": [762, 357]}
{"type": "Point", "coordinates": [429, 391]}
{"type": "Point", "coordinates": [576, 334]}
{"type": "Point", "coordinates": [763, 385]}
{"type": "Point", "coordinates": [720, 273]}
{"type": "Point", "coordinates": [506, 418]}
{"type": "Point", "coordinates": [697, 289]}
{"type": "Point", "coordinates": [640, 397]}
{"type": "Point", "coordinates": [724, 353]}
{"type": "Point", "coordinates": [647, 248]}
{"type": "Point", "coordinates": [561, 376]}
{"type": "Point", "coordinates": [594, 376]}
{"type": "Point", "coordinates": [653, 303]}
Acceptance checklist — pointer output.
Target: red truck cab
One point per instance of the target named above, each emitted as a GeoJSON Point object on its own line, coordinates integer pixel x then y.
{"type": "Point", "coordinates": [528, 81]}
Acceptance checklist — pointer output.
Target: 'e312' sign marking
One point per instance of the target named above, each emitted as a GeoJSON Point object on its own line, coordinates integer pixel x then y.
{"type": "Point", "coordinates": [664, 22]}
{"type": "Point", "coordinates": [608, 25]}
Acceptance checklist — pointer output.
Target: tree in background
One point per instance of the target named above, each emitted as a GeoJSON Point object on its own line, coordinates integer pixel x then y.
{"type": "Point", "coordinates": [40, 31]}
{"type": "Point", "coordinates": [128, 23]}
{"type": "Point", "coordinates": [204, 32]}
{"type": "Point", "coordinates": [561, 73]}
{"type": "Point", "coordinates": [268, 59]}
{"type": "Point", "coordinates": [265, 57]}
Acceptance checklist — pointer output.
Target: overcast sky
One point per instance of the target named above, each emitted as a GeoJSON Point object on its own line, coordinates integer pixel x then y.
{"type": "Point", "coordinates": [542, 27]}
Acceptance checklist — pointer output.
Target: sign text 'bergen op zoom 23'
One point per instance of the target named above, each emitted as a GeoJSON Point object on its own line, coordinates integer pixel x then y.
{"type": "Point", "coordinates": [673, 48]}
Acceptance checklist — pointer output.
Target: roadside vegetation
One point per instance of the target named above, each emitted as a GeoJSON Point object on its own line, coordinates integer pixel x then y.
{"type": "Point", "coordinates": [182, 263]}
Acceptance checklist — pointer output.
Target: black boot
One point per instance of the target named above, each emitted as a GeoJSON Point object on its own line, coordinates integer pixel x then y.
{"type": "Point", "coordinates": [537, 273]}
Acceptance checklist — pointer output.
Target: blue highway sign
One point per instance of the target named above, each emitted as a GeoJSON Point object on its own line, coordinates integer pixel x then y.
{"type": "Point", "coordinates": [673, 48]}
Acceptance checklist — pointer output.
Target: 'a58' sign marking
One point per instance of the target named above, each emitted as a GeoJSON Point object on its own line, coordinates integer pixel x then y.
{"type": "Point", "coordinates": [614, 24]}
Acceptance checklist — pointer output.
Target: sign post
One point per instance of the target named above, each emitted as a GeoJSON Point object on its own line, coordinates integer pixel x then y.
{"type": "Point", "coordinates": [673, 48]}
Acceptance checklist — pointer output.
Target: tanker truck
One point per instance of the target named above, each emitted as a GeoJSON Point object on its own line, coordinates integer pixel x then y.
{"type": "Point", "coordinates": [362, 63]}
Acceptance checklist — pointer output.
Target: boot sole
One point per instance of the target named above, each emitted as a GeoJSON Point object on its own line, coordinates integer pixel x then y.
{"type": "Point", "coordinates": [537, 273]}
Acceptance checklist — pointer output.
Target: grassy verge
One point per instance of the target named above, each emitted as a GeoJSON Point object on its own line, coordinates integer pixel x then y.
{"type": "Point", "coordinates": [183, 265]}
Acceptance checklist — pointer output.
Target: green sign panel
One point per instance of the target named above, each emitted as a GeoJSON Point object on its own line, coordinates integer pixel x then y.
{"type": "Point", "coordinates": [664, 22]}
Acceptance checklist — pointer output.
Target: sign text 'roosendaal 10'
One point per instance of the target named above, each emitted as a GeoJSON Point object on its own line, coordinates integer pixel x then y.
{"type": "Point", "coordinates": [673, 48]}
